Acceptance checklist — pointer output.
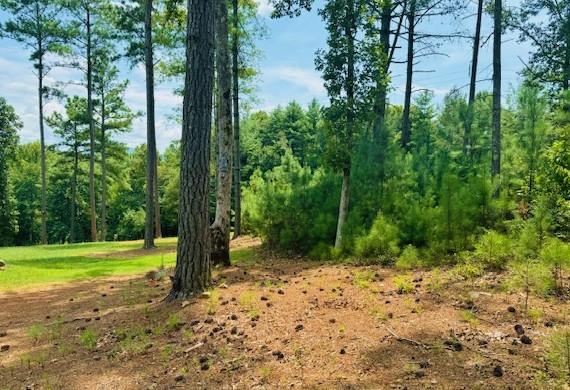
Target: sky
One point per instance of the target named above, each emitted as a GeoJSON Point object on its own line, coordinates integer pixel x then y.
{"type": "Point", "coordinates": [287, 73]}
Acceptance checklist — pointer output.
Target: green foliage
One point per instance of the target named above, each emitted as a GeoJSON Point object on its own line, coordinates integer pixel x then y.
{"type": "Point", "coordinates": [409, 258]}
{"type": "Point", "coordinates": [404, 284]}
{"type": "Point", "coordinates": [558, 355]}
{"type": "Point", "coordinates": [381, 241]}
{"type": "Point", "coordinates": [88, 339]}
{"type": "Point", "coordinates": [556, 255]}
{"type": "Point", "coordinates": [494, 250]}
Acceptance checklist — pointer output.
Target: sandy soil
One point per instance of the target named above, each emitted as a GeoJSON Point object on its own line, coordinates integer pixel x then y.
{"type": "Point", "coordinates": [281, 323]}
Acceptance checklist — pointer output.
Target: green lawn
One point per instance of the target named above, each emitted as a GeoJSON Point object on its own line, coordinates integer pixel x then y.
{"type": "Point", "coordinates": [40, 265]}
{"type": "Point", "coordinates": [43, 264]}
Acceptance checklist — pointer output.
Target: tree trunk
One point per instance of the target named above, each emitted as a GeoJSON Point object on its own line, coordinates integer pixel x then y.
{"type": "Point", "coordinates": [496, 136]}
{"type": "Point", "coordinates": [220, 230]}
{"type": "Point", "coordinates": [43, 231]}
{"type": "Point", "coordinates": [73, 211]}
{"type": "Point", "coordinates": [235, 96]}
{"type": "Point", "coordinates": [103, 179]}
{"type": "Point", "coordinates": [406, 125]}
{"type": "Point", "coordinates": [349, 31]}
{"type": "Point", "coordinates": [566, 70]}
{"type": "Point", "coordinates": [381, 88]}
{"type": "Point", "coordinates": [92, 202]}
{"type": "Point", "coordinates": [157, 225]}
{"type": "Point", "coordinates": [149, 229]}
{"type": "Point", "coordinates": [473, 81]}
{"type": "Point", "coordinates": [193, 271]}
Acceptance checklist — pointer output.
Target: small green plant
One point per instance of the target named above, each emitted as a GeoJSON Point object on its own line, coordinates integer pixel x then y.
{"type": "Point", "coordinates": [404, 284]}
{"type": "Point", "coordinates": [493, 250]}
{"type": "Point", "coordinates": [247, 299]}
{"type": "Point", "coordinates": [213, 300]}
{"type": "Point", "coordinates": [469, 317]}
{"type": "Point", "coordinates": [378, 314]}
{"type": "Point", "coordinates": [556, 254]}
{"type": "Point", "coordinates": [468, 270]}
{"type": "Point", "coordinates": [173, 322]}
{"type": "Point", "coordinates": [409, 259]}
{"type": "Point", "coordinates": [36, 332]}
{"type": "Point", "coordinates": [364, 278]}
{"type": "Point", "coordinates": [88, 339]}
{"type": "Point", "coordinates": [133, 340]}
{"type": "Point", "coordinates": [435, 283]}
{"type": "Point", "coordinates": [166, 353]}
{"type": "Point", "coordinates": [558, 355]}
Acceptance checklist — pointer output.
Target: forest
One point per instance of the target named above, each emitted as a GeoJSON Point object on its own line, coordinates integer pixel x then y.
{"type": "Point", "coordinates": [457, 202]}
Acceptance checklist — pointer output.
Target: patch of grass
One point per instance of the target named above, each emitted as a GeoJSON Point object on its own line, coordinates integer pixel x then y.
{"type": "Point", "coordinates": [364, 278]}
{"type": "Point", "coordinates": [378, 314]}
{"type": "Point", "coordinates": [535, 315]}
{"type": "Point", "coordinates": [558, 355]}
{"type": "Point", "coordinates": [133, 340]}
{"type": "Point", "coordinates": [88, 339]}
{"type": "Point", "coordinates": [469, 317]}
{"type": "Point", "coordinates": [404, 284]}
{"type": "Point", "coordinates": [247, 299]}
{"type": "Point", "coordinates": [36, 332]}
{"type": "Point", "coordinates": [44, 264]}
{"type": "Point", "coordinates": [173, 322]}
{"type": "Point", "coordinates": [243, 256]}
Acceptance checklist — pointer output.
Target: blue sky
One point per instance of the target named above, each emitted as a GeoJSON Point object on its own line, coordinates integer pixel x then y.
{"type": "Point", "coordinates": [287, 73]}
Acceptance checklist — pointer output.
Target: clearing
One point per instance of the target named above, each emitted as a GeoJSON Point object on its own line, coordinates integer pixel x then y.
{"type": "Point", "coordinates": [270, 322]}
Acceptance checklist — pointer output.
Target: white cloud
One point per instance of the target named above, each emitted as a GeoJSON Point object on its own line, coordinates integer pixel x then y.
{"type": "Point", "coordinates": [304, 78]}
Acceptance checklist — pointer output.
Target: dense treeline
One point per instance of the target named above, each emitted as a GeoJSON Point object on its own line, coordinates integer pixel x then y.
{"type": "Point", "coordinates": [360, 176]}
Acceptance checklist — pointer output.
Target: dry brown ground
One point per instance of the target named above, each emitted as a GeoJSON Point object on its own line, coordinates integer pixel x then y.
{"type": "Point", "coordinates": [277, 323]}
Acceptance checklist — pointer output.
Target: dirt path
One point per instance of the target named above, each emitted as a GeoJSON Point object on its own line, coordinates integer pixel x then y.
{"type": "Point", "coordinates": [279, 324]}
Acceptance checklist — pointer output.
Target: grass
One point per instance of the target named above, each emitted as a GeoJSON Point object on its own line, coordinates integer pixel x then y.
{"type": "Point", "coordinates": [40, 265]}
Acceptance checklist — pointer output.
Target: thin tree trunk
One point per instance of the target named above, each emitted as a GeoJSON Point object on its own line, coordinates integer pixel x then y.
{"type": "Point", "coordinates": [473, 81]}
{"type": "Point", "coordinates": [220, 230]}
{"type": "Point", "coordinates": [235, 97]}
{"type": "Point", "coordinates": [150, 131]}
{"type": "Point", "coordinates": [92, 202]}
{"type": "Point", "coordinates": [43, 231]}
{"type": "Point", "coordinates": [496, 136]}
{"type": "Point", "coordinates": [193, 271]}
{"type": "Point", "coordinates": [349, 31]}
{"type": "Point", "coordinates": [103, 179]}
{"type": "Point", "coordinates": [566, 70]}
{"type": "Point", "coordinates": [381, 87]}
{"type": "Point", "coordinates": [73, 212]}
{"type": "Point", "coordinates": [406, 125]}
{"type": "Point", "coordinates": [157, 225]}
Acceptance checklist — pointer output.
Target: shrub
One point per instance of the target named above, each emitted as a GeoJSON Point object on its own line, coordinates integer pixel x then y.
{"type": "Point", "coordinates": [469, 270]}
{"type": "Point", "coordinates": [493, 250]}
{"type": "Point", "coordinates": [381, 241]}
{"type": "Point", "coordinates": [131, 226]}
{"type": "Point", "coordinates": [404, 284]}
{"type": "Point", "coordinates": [558, 356]}
{"type": "Point", "coordinates": [556, 254]}
{"type": "Point", "coordinates": [409, 258]}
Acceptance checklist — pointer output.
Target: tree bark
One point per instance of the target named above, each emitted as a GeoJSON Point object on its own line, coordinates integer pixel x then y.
{"type": "Point", "coordinates": [349, 31]}
{"type": "Point", "coordinates": [381, 88]}
{"type": "Point", "coordinates": [235, 98]}
{"type": "Point", "coordinates": [103, 178]}
{"type": "Point", "coordinates": [473, 81]}
{"type": "Point", "coordinates": [150, 131]}
{"type": "Point", "coordinates": [193, 271]}
{"type": "Point", "coordinates": [496, 136]}
{"type": "Point", "coordinates": [43, 231]}
{"type": "Point", "coordinates": [157, 225]}
{"type": "Point", "coordinates": [73, 211]}
{"type": "Point", "coordinates": [92, 202]}
{"type": "Point", "coordinates": [220, 229]}
{"type": "Point", "coordinates": [406, 125]}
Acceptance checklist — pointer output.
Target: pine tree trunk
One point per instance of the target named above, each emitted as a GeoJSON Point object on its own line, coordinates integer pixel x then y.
{"type": "Point", "coordinates": [150, 131]}
{"type": "Point", "coordinates": [73, 211]}
{"type": "Point", "coordinates": [103, 178]}
{"type": "Point", "coordinates": [235, 97]}
{"type": "Point", "coordinates": [406, 125]}
{"type": "Point", "coordinates": [157, 225]}
{"type": "Point", "coordinates": [496, 136]}
{"type": "Point", "coordinates": [471, 102]}
{"type": "Point", "coordinates": [349, 31]}
{"type": "Point", "coordinates": [92, 202]}
{"type": "Point", "coordinates": [381, 87]}
{"type": "Point", "coordinates": [43, 231]}
{"type": "Point", "coordinates": [193, 271]}
{"type": "Point", "coordinates": [220, 230]}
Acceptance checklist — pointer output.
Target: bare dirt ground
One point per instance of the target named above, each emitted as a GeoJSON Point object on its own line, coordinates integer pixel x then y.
{"type": "Point", "coordinates": [278, 323]}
